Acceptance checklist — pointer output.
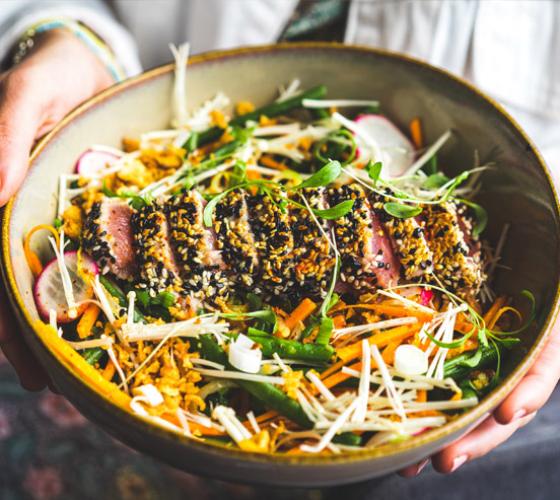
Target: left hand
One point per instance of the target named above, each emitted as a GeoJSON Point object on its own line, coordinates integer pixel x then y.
{"type": "Point", "coordinates": [517, 410]}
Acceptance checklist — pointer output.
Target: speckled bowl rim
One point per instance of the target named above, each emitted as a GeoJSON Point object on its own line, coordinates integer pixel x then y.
{"type": "Point", "coordinates": [463, 422]}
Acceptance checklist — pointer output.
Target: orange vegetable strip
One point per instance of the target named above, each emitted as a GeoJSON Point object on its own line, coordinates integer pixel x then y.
{"type": "Point", "coordinates": [340, 376]}
{"type": "Point", "coordinates": [267, 161]}
{"type": "Point", "coordinates": [194, 426]}
{"type": "Point", "coordinates": [339, 321]}
{"type": "Point", "coordinates": [32, 259]}
{"type": "Point", "coordinates": [500, 313]}
{"type": "Point", "coordinates": [416, 133]}
{"type": "Point", "coordinates": [109, 370]}
{"type": "Point", "coordinates": [422, 396]}
{"type": "Point", "coordinates": [253, 175]}
{"type": "Point", "coordinates": [499, 303]}
{"type": "Point", "coordinates": [393, 311]}
{"type": "Point", "coordinates": [87, 321]}
{"type": "Point", "coordinates": [331, 369]}
{"type": "Point", "coordinates": [269, 415]}
{"type": "Point", "coordinates": [388, 354]}
{"type": "Point", "coordinates": [300, 313]}
{"type": "Point", "coordinates": [398, 334]}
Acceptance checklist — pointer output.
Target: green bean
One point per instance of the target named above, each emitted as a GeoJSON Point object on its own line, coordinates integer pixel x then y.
{"type": "Point", "coordinates": [270, 395]}
{"type": "Point", "coordinates": [116, 292]}
{"type": "Point", "coordinates": [93, 355]}
{"type": "Point", "coordinates": [291, 349]}
{"type": "Point", "coordinates": [348, 438]}
{"type": "Point", "coordinates": [270, 110]}
{"type": "Point", "coordinates": [460, 367]}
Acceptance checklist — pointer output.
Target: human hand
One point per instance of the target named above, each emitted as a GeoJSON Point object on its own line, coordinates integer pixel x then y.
{"type": "Point", "coordinates": [57, 75]}
{"type": "Point", "coordinates": [517, 410]}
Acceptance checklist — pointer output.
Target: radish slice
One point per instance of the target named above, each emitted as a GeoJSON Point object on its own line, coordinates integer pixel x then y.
{"type": "Point", "coordinates": [397, 152]}
{"type": "Point", "coordinates": [49, 291]}
{"type": "Point", "coordinates": [410, 360]}
{"type": "Point", "coordinates": [93, 162]}
{"type": "Point", "coordinates": [242, 355]}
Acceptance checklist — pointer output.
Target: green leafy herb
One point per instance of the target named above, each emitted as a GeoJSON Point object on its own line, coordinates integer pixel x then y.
{"type": "Point", "coordinates": [267, 316]}
{"type": "Point", "coordinates": [401, 211]}
{"type": "Point", "coordinates": [480, 215]}
{"type": "Point", "coordinates": [192, 142]}
{"type": "Point", "coordinates": [435, 181]}
{"type": "Point", "coordinates": [211, 205]}
{"type": "Point", "coordinates": [450, 345]}
{"type": "Point", "coordinates": [335, 212]}
{"type": "Point", "coordinates": [57, 223]}
{"type": "Point", "coordinates": [323, 177]}
{"type": "Point", "coordinates": [374, 170]}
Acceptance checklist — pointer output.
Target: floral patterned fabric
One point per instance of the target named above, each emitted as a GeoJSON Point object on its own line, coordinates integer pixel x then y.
{"type": "Point", "coordinates": [50, 451]}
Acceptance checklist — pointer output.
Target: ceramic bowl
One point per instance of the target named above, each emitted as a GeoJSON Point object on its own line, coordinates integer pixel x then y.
{"type": "Point", "coordinates": [518, 190]}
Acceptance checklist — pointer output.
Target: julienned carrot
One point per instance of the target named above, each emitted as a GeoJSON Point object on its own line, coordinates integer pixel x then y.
{"type": "Point", "coordinates": [501, 312]}
{"type": "Point", "coordinates": [87, 321]}
{"type": "Point", "coordinates": [269, 415]}
{"type": "Point", "coordinates": [339, 321]}
{"type": "Point", "coordinates": [109, 370]}
{"type": "Point", "coordinates": [300, 313]}
{"type": "Point", "coordinates": [253, 175]}
{"type": "Point", "coordinates": [416, 133]}
{"type": "Point", "coordinates": [392, 311]}
{"type": "Point", "coordinates": [194, 427]}
{"type": "Point", "coordinates": [340, 376]}
{"type": "Point", "coordinates": [496, 306]}
{"type": "Point", "coordinates": [331, 369]}
{"type": "Point", "coordinates": [388, 353]}
{"type": "Point", "coordinates": [398, 334]}
{"type": "Point", "coordinates": [422, 396]}
{"type": "Point", "coordinates": [267, 161]}
{"type": "Point", "coordinates": [32, 259]}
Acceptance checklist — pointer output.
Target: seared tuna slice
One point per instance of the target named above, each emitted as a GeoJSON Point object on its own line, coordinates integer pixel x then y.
{"type": "Point", "coordinates": [235, 237]}
{"type": "Point", "coordinates": [108, 238]}
{"type": "Point", "coordinates": [195, 249]}
{"type": "Point", "coordinates": [274, 242]}
{"type": "Point", "coordinates": [313, 258]}
{"type": "Point", "coordinates": [408, 240]}
{"type": "Point", "coordinates": [456, 263]}
{"type": "Point", "coordinates": [158, 269]}
{"type": "Point", "coordinates": [367, 259]}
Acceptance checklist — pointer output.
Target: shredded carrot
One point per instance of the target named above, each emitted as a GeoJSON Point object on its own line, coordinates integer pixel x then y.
{"type": "Point", "coordinates": [496, 306]}
{"type": "Point", "coordinates": [416, 133]}
{"type": "Point", "coordinates": [501, 312]}
{"type": "Point", "coordinates": [194, 427]}
{"type": "Point", "coordinates": [422, 396]}
{"type": "Point", "coordinates": [109, 371]}
{"type": "Point", "coordinates": [339, 321]}
{"type": "Point", "coordinates": [253, 175]}
{"type": "Point", "coordinates": [389, 352]}
{"type": "Point", "coordinates": [269, 415]}
{"type": "Point", "coordinates": [340, 376]}
{"type": "Point", "coordinates": [300, 313]}
{"type": "Point", "coordinates": [333, 368]}
{"type": "Point", "coordinates": [391, 310]}
{"type": "Point", "coordinates": [87, 321]}
{"type": "Point", "coordinates": [32, 259]}
{"type": "Point", "coordinates": [267, 161]}
{"type": "Point", "coordinates": [398, 335]}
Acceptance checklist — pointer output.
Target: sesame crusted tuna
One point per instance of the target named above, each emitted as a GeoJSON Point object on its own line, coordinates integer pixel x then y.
{"type": "Point", "coordinates": [108, 238]}
{"type": "Point", "coordinates": [274, 242]}
{"type": "Point", "coordinates": [313, 258]}
{"type": "Point", "coordinates": [457, 264]}
{"type": "Point", "coordinates": [158, 269]}
{"type": "Point", "coordinates": [367, 259]}
{"type": "Point", "coordinates": [408, 240]}
{"type": "Point", "coordinates": [198, 259]}
{"type": "Point", "coordinates": [235, 237]}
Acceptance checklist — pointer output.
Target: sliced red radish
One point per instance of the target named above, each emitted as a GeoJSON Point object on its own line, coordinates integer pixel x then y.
{"type": "Point", "coordinates": [49, 290]}
{"type": "Point", "coordinates": [93, 162]}
{"type": "Point", "coordinates": [426, 295]}
{"type": "Point", "coordinates": [396, 151]}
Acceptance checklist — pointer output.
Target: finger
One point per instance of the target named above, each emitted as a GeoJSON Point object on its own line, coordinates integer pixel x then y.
{"type": "Point", "coordinates": [19, 122]}
{"type": "Point", "coordinates": [477, 443]}
{"type": "Point", "coordinates": [31, 375]}
{"type": "Point", "coordinates": [413, 470]}
{"type": "Point", "coordinates": [535, 388]}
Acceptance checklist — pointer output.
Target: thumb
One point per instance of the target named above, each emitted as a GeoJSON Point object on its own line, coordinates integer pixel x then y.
{"type": "Point", "coordinates": [20, 118]}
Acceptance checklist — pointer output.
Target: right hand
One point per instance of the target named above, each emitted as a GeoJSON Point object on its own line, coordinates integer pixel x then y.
{"type": "Point", "coordinates": [57, 75]}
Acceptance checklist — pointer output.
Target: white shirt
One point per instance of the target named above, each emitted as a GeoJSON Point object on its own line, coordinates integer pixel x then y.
{"type": "Point", "coordinates": [509, 49]}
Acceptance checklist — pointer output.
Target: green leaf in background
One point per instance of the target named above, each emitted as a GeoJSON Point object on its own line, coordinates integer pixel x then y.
{"type": "Point", "coordinates": [335, 212]}
{"type": "Point", "coordinates": [480, 215]}
{"type": "Point", "coordinates": [435, 181]}
{"type": "Point", "coordinates": [374, 170]}
{"type": "Point", "coordinates": [401, 211]}
{"type": "Point", "coordinates": [323, 177]}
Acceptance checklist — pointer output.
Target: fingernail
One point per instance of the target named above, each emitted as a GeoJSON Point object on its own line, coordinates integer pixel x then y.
{"type": "Point", "coordinates": [421, 466]}
{"type": "Point", "coordinates": [458, 461]}
{"type": "Point", "coordinates": [519, 414]}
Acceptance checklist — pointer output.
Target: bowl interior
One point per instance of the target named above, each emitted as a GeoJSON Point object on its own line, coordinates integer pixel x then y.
{"type": "Point", "coordinates": [516, 191]}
